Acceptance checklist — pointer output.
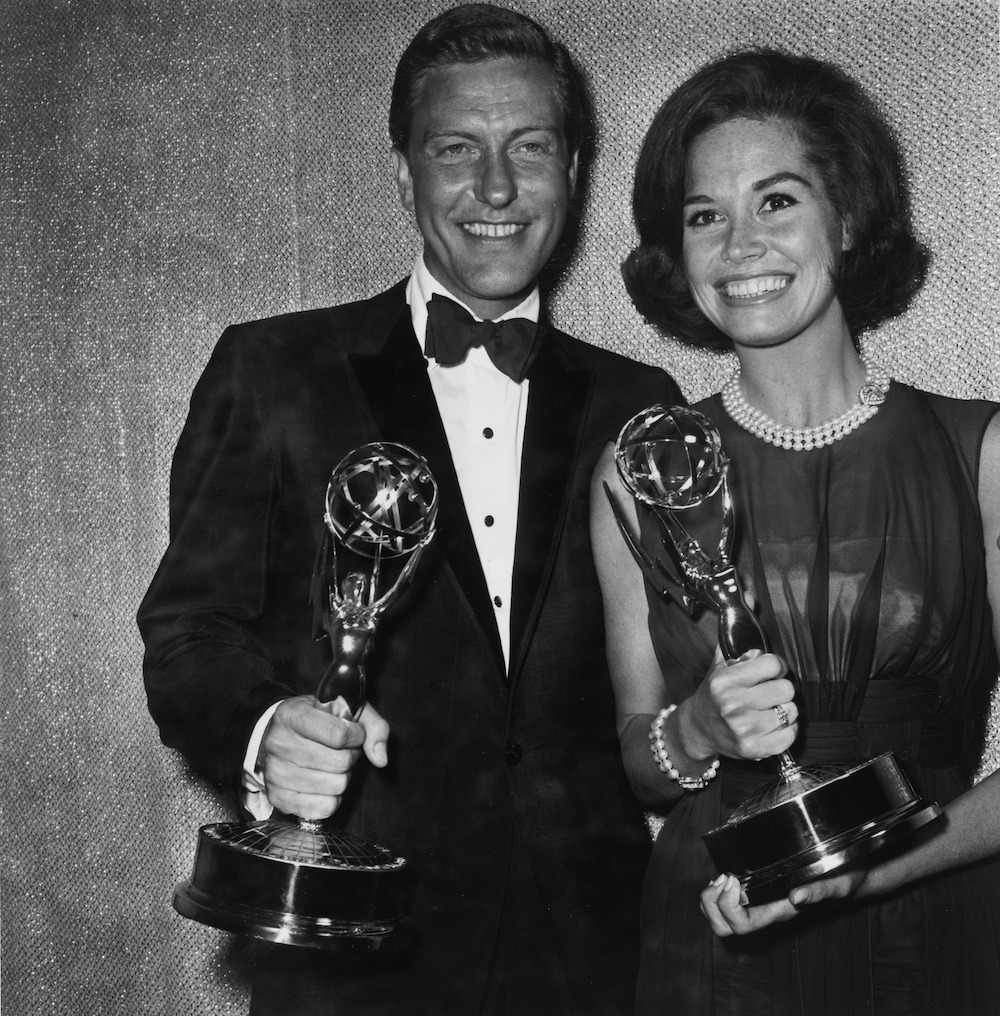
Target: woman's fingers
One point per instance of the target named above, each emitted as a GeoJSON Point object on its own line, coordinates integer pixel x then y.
{"type": "Point", "coordinates": [710, 906]}
{"type": "Point", "coordinates": [724, 904]}
{"type": "Point", "coordinates": [744, 694]}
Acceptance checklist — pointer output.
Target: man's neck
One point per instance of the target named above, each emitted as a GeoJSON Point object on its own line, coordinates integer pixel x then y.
{"type": "Point", "coordinates": [422, 286]}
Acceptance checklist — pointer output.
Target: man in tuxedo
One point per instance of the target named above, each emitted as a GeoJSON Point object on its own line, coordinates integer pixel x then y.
{"type": "Point", "coordinates": [487, 754]}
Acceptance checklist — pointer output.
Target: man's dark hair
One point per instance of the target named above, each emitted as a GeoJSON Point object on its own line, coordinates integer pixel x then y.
{"type": "Point", "coordinates": [842, 134]}
{"type": "Point", "coordinates": [473, 33]}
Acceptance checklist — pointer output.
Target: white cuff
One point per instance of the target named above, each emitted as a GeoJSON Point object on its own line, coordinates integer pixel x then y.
{"type": "Point", "coordinates": [254, 791]}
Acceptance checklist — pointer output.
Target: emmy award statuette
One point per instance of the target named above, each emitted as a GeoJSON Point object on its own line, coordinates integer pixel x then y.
{"type": "Point", "coordinates": [292, 880]}
{"type": "Point", "coordinates": [812, 819]}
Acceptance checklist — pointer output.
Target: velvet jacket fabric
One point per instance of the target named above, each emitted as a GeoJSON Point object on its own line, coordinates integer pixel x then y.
{"type": "Point", "coordinates": [489, 774]}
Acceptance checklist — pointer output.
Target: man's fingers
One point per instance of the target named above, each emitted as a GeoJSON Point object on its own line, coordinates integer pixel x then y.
{"type": "Point", "coordinates": [308, 754]}
{"type": "Point", "coordinates": [376, 736]}
{"type": "Point", "coordinates": [288, 776]}
{"type": "Point", "coordinates": [309, 792]}
{"type": "Point", "coordinates": [311, 806]}
{"type": "Point", "coordinates": [304, 717]}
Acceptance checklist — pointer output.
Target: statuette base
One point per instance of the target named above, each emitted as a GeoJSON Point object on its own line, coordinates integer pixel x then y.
{"type": "Point", "coordinates": [281, 882]}
{"type": "Point", "coordinates": [792, 836]}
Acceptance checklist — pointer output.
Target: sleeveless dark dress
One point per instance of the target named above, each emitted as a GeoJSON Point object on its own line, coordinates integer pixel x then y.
{"type": "Point", "coordinates": [866, 560]}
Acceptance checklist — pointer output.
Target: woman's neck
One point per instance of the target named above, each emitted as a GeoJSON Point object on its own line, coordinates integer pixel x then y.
{"type": "Point", "coordinates": [802, 384]}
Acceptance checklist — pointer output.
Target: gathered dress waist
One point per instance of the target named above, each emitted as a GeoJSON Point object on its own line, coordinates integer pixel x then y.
{"type": "Point", "coordinates": [895, 716]}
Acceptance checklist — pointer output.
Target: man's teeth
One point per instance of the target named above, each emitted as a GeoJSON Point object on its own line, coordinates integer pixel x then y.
{"type": "Point", "coordinates": [492, 228]}
{"type": "Point", "coordinates": [754, 287]}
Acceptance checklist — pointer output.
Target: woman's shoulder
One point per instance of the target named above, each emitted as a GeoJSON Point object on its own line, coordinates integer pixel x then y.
{"type": "Point", "coordinates": [967, 422]}
{"type": "Point", "coordinates": [968, 418]}
{"type": "Point", "coordinates": [950, 407]}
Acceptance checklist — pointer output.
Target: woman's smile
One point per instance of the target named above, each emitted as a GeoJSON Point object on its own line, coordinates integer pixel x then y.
{"type": "Point", "coordinates": [758, 286]}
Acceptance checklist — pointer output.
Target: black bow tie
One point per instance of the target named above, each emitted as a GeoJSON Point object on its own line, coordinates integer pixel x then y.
{"type": "Point", "coordinates": [452, 332]}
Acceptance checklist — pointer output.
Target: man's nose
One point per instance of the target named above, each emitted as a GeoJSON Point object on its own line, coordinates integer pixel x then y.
{"type": "Point", "coordinates": [496, 185]}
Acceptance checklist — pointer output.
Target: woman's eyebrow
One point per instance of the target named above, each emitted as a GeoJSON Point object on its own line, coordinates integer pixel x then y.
{"type": "Point", "coordinates": [770, 181]}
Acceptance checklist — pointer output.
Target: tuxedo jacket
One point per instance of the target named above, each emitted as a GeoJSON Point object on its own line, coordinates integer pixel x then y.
{"type": "Point", "coordinates": [482, 763]}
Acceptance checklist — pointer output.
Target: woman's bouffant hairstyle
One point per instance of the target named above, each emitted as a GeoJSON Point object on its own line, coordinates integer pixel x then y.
{"type": "Point", "coordinates": [842, 134]}
{"type": "Point", "coordinates": [473, 33]}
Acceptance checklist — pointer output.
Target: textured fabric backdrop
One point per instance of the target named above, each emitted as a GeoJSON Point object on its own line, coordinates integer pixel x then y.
{"type": "Point", "coordinates": [168, 168]}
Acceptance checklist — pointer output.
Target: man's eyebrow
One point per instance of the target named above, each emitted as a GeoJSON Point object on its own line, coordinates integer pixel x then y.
{"type": "Point", "coordinates": [436, 133]}
{"type": "Point", "coordinates": [549, 128]}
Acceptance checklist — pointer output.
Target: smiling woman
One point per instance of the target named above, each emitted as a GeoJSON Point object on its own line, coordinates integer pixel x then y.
{"type": "Point", "coordinates": [761, 237]}
{"type": "Point", "coordinates": [773, 221]}
{"type": "Point", "coordinates": [842, 143]}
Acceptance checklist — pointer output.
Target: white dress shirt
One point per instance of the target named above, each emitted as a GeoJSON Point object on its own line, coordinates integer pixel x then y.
{"type": "Point", "coordinates": [483, 412]}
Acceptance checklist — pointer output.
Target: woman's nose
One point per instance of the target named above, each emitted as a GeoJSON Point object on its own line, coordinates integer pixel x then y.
{"type": "Point", "coordinates": [744, 239]}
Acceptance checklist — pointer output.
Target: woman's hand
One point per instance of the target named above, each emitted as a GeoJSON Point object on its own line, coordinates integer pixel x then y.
{"type": "Point", "coordinates": [724, 902]}
{"type": "Point", "coordinates": [743, 709]}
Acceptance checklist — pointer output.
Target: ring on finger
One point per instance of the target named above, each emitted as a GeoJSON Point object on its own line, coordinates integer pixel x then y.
{"type": "Point", "coordinates": [783, 720]}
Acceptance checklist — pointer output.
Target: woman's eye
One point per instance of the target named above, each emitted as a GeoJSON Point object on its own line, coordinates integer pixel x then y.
{"type": "Point", "coordinates": [703, 217]}
{"type": "Point", "coordinates": [776, 202]}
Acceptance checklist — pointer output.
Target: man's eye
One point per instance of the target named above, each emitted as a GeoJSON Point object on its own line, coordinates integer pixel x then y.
{"type": "Point", "coordinates": [456, 151]}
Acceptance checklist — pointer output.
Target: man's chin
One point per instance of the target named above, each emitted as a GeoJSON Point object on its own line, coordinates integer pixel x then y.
{"type": "Point", "coordinates": [499, 289]}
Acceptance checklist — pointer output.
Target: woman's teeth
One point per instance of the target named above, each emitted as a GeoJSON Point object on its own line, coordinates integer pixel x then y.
{"type": "Point", "coordinates": [754, 287]}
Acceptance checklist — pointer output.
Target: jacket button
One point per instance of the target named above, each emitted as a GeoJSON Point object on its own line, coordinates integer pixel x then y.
{"type": "Point", "coordinates": [513, 753]}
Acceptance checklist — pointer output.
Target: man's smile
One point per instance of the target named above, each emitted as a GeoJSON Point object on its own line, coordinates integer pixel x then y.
{"type": "Point", "coordinates": [494, 229]}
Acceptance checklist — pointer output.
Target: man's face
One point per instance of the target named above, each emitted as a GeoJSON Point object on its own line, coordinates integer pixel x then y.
{"type": "Point", "coordinates": [488, 177]}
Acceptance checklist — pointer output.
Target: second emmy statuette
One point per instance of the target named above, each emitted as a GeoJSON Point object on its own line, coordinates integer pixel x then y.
{"type": "Point", "coordinates": [812, 819]}
{"type": "Point", "coordinates": [293, 880]}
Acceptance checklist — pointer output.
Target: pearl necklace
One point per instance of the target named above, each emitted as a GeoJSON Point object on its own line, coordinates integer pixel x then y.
{"type": "Point", "coordinates": [870, 397]}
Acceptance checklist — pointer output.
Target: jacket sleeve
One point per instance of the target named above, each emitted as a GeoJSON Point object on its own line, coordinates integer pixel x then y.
{"type": "Point", "coordinates": [207, 672]}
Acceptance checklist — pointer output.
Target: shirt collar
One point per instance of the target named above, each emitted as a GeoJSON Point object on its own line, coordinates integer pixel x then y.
{"type": "Point", "coordinates": [422, 286]}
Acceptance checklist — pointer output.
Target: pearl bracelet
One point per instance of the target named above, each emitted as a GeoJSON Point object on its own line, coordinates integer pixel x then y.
{"type": "Point", "coordinates": [659, 750]}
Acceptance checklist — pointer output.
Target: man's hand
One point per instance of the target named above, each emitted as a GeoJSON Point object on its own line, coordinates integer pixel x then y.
{"type": "Point", "coordinates": [307, 754]}
{"type": "Point", "coordinates": [724, 903]}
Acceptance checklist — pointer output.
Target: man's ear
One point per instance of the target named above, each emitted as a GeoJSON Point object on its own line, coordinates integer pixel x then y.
{"type": "Point", "coordinates": [571, 171]}
{"type": "Point", "coordinates": [404, 181]}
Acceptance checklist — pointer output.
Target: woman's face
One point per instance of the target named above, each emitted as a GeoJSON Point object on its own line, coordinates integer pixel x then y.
{"type": "Point", "coordinates": [761, 237]}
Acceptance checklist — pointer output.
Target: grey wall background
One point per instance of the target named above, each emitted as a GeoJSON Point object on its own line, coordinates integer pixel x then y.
{"type": "Point", "coordinates": [167, 168]}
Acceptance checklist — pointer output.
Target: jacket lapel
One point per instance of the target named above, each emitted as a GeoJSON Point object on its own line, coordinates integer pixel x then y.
{"type": "Point", "coordinates": [557, 406]}
{"type": "Point", "coordinates": [395, 384]}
